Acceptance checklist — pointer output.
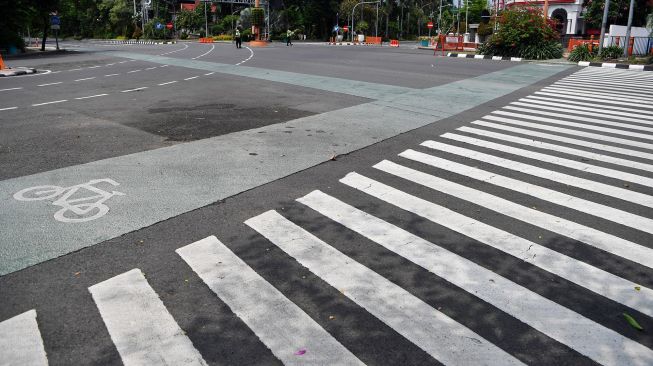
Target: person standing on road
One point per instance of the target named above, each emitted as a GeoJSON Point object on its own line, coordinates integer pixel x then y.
{"type": "Point", "coordinates": [238, 38]}
{"type": "Point", "coordinates": [288, 38]}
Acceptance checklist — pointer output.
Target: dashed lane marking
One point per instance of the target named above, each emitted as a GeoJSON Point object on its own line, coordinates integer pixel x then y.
{"type": "Point", "coordinates": [8, 108]}
{"type": "Point", "coordinates": [111, 75]}
{"type": "Point", "coordinates": [136, 89]}
{"type": "Point", "coordinates": [166, 83]}
{"type": "Point", "coordinates": [209, 73]}
{"type": "Point", "coordinates": [58, 82]}
{"type": "Point", "coordinates": [191, 78]}
{"type": "Point", "coordinates": [11, 89]}
{"type": "Point", "coordinates": [151, 68]}
{"type": "Point", "coordinates": [251, 54]}
{"type": "Point", "coordinates": [92, 96]}
{"type": "Point", "coordinates": [91, 78]}
{"type": "Point", "coordinates": [181, 49]}
{"type": "Point", "coordinates": [129, 72]}
{"type": "Point", "coordinates": [53, 102]}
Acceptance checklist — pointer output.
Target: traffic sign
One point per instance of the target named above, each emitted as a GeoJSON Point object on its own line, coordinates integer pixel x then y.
{"type": "Point", "coordinates": [159, 26]}
{"type": "Point", "coordinates": [55, 20]}
{"type": "Point", "coordinates": [345, 28]}
{"type": "Point", "coordinates": [429, 25]}
{"type": "Point", "coordinates": [169, 25]}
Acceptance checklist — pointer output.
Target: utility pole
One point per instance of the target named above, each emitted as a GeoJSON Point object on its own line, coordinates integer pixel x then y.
{"type": "Point", "coordinates": [206, 22]}
{"type": "Point", "coordinates": [630, 24]}
{"type": "Point", "coordinates": [466, 17]}
{"type": "Point", "coordinates": [440, 19]}
{"type": "Point", "coordinates": [604, 23]}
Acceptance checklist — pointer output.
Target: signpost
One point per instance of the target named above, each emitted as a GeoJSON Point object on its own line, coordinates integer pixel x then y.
{"type": "Point", "coordinates": [55, 24]}
{"type": "Point", "coordinates": [429, 25]}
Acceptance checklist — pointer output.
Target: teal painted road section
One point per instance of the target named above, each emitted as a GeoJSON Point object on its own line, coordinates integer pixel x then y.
{"type": "Point", "coordinates": [163, 183]}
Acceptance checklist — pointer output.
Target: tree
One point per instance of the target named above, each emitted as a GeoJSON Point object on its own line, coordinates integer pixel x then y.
{"type": "Point", "coordinates": [618, 13]}
{"type": "Point", "coordinates": [191, 20]}
{"type": "Point", "coordinates": [475, 9]}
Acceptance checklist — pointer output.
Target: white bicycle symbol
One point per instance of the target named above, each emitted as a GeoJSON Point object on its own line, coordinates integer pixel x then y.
{"type": "Point", "coordinates": [85, 208]}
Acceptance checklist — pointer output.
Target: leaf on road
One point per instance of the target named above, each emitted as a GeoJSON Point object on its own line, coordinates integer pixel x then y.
{"type": "Point", "coordinates": [633, 323]}
{"type": "Point", "coordinates": [300, 352]}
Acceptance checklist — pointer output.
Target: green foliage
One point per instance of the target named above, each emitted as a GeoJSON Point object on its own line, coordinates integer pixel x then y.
{"type": "Point", "coordinates": [150, 31]}
{"type": "Point", "coordinates": [475, 9]}
{"type": "Point", "coordinates": [522, 31]}
{"type": "Point", "coordinates": [362, 26]}
{"type": "Point", "coordinates": [582, 53]}
{"type": "Point", "coordinates": [618, 13]}
{"type": "Point", "coordinates": [217, 29]}
{"type": "Point", "coordinates": [485, 29]}
{"type": "Point", "coordinates": [183, 35]}
{"type": "Point", "coordinates": [223, 37]}
{"type": "Point", "coordinates": [611, 52]}
{"type": "Point", "coordinates": [189, 20]}
{"type": "Point", "coordinates": [258, 17]}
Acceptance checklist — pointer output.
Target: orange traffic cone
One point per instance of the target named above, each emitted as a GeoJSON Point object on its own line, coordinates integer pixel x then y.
{"type": "Point", "coordinates": [2, 64]}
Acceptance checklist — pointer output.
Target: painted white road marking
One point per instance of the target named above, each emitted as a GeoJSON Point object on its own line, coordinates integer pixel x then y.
{"type": "Point", "coordinates": [11, 89]}
{"type": "Point", "coordinates": [82, 209]}
{"type": "Point", "coordinates": [151, 68]}
{"type": "Point", "coordinates": [92, 96]}
{"type": "Point", "coordinates": [53, 102]}
{"type": "Point", "coordinates": [578, 125]}
{"type": "Point", "coordinates": [440, 336]}
{"type": "Point", "coordinates": [169, 82]}
{"type": "Point", "coordinates": [140, 326]}
{"type": "Point", "coordinates": [191, 78]}
{"type": "Point", "coordinates": [181, 49]}
{"type": "Point", "coordinates": [85, 79]}
{"type": "Point", "coordinates": [280, 324]}
{"type": "Point", "coordinates": [75, 69]}
{"type": "Point", "coordinates": [111, 75]}
{"type": "Point", "coordinates": [551, 159]}
{"type": "Point", "coordinates": [570, 131]}
{"type": "Point", "coordinates": [206, 53]}
{"type": "Point", "coordinates": [591, 99]}
{"type": "Point", "coordinates": [131, 90]}
{"type": "Point", "coordinates": [209, 73]}
{"type": "Point", "coordinates": [21, 342]}
{"type": "Point", "coordinates": [612, 108]}
{"type": "Point", "coordinates": [58, 82]}
{"type": "Point", "coordinates": [251, 54]}
{"type": "Point", "coordinates": [568, 327]}
{"type": "Point", "coordinates": [559, 148]}
{"type": "Point", "coordinates": [568, 140]}
{"type": "Point", "coordinates": [590, 111]}
{"type": "Point", "coordinates": [7, 108]}
{"type": "Point", "coordinates": [94, 67]}
{"type": "Point", "coordinates": [578, 272]}
{"type": "Point", "coordinates": [129, 72]}
{"type": "Point", "coordinates": [589, 207]}
{"type": "Point", "coordinates": [524, 107]}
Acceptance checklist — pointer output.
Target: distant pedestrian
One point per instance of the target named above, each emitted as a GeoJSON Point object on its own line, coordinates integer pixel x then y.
{"type": "Point", "coordinates": [239, 41]}
{"type": "Point", "coordinates": [289, 38]}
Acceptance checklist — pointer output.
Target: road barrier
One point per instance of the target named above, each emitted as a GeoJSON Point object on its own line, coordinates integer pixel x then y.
{"type": "Point", "coordinates": [448, 43]}
{"type": "Point", "coordinates": [394, 43]}
{"type": "Point", "coordinates": [206, 40]}
{"type": "Point", "coordinates": [2, 64]}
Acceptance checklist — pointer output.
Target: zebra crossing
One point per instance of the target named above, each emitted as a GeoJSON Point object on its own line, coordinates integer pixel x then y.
{"type": "Point", "coordinates": [573, 161]}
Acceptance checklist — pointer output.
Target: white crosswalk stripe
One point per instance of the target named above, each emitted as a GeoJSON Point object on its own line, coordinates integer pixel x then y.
{"type": "Point", "coordinates": [579, 333]}
{"type": "Point", "coordinates": [607, 107]}
{"type": "Point", "coordinates": [20, 341]}
{"type": "Point", "coordinates": [437, 334]}
{"type": "Point", "coordinates": [140, 326]}
{"type": "Point", "coordinates": [622, 116]}
{"type": "Point", "coordinates": [278, 322]}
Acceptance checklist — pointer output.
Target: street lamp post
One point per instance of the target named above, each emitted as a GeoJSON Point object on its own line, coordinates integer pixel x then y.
{"type": "Point", "coordinates": [352, 15]}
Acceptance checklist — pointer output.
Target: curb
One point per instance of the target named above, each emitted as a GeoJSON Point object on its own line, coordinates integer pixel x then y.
{"type": "Point", "coordinates": [17, 72]}
{"type": "Point", "coordinates": [610, 65]}
{"type": "Point", "coordinates": [484, 57]}
{"type": "Point", "coordinates": [352, 44]}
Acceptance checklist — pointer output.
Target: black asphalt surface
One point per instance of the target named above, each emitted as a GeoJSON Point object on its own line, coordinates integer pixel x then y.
{"type": "Point", "coordinates": [42, 138]}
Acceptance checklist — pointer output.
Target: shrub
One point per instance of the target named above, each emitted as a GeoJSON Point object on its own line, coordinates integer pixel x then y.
{"type": "Point", "coordinates": [582, 53]}
{"type": "Point", "coordinates": [138, 33]}
{"type": "Point", "coordinates": [122, 38]}
{"type": "Point", "coordinates": [611, 52]}
{"type": "Point", "coordinates": [223, 37]}
{"type": "Point", "coordinates": [544, 51]}
{"type": "Point", "coordinates": [485, 29]}
{"type": "Point", "coordinates": [183, 35]}
{"type": "Point", "coordinates": [258, 17]}
{"type": "Point", "coordinates": [523, 32]}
